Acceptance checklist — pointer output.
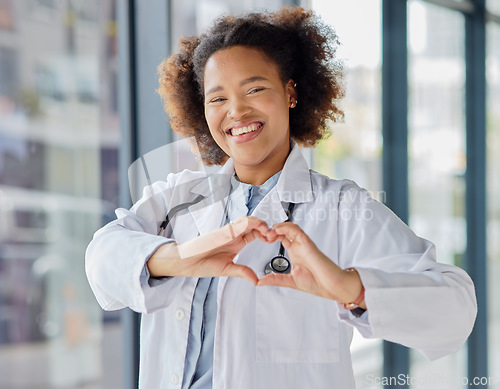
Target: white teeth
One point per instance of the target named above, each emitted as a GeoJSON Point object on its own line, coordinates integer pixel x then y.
{"type": "Point", "coordinates": [243, 130]}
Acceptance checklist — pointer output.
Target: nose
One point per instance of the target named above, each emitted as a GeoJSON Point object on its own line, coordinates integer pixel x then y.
{"type": "Point", "coordinates": [238, 108]}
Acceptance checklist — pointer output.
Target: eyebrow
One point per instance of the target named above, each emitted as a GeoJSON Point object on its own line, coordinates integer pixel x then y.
{"type": "Point", "coordinates": [243, 82]}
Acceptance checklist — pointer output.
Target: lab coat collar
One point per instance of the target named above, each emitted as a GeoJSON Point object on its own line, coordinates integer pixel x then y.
{"type": "Point", "coordinates": [214, 183]}
{"type": "Point", "coordinates": [294, 185]}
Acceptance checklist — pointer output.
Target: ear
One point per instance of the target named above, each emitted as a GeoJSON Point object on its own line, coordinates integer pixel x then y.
{"type": "Point", "coordinates": [291, 90]}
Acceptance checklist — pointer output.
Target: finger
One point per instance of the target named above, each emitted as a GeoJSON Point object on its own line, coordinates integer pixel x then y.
{"type": "Point", "coordinates": [273, 235]}
{"type": "Point", "coordinates": [285, 233]}
{"type": "Point", "coordinates": [258, 225]}
{"type": "Point", "coordinates": [287, 244]}
{"type": "Point", "coordinates": [255, 234]}
{"type": "Point", "coordinates": [252, 235]}
{"type": "Point", "coordinates": [214, 240]}
{"type": "Point", "coordinates": [246, 224]}
{"type": "Point", "coordinates": [242, 271]}
{"type": "Point", "coordinates": [296, 239]}
{"type": "Point", "coordinates": [288, 229]}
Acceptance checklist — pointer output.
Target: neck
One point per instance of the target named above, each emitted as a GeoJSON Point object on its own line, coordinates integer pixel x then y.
{"type": "Point", "coordinates": [257, 175]}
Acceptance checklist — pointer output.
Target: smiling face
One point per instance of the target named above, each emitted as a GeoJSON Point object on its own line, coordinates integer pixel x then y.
{"type": "Point", "coordinates": [247, 111]}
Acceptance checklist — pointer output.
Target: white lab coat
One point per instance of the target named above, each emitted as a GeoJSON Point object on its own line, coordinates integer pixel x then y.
{"type": "Point", "coordinates": [272, 337]}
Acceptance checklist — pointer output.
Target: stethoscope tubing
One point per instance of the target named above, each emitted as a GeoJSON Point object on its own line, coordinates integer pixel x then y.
{"type": "Point", "coordinates": [178, 208]}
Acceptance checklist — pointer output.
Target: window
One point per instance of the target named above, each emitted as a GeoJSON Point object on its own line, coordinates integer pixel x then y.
{"type": "Point", "coordinates": [493, 6]}
{"type": "Point", "coordinates": [436, 146]}
{"type": "Point", "coordinates": [59, 141]}
{"type": "Point", "coordinates": [355, 148]}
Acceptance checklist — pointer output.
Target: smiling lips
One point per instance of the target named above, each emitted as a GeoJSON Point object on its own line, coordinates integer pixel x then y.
{"type": "Point", "coordinates": [245, 129]}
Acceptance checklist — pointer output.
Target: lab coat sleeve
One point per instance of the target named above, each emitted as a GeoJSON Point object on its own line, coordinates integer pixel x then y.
{"type": "Point", "coordinates": [115, 260]}
{"type": "Point", "coordinates": [411, 299]}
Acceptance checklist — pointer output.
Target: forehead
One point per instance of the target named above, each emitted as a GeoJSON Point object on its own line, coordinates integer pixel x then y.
{"type": "Point", "coordinates": [237, 63]}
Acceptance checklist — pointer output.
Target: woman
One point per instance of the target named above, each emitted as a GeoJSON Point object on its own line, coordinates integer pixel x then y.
{"type": "Point", "coordinates": [217, 311]}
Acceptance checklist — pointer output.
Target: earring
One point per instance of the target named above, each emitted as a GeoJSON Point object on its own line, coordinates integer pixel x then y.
{"type": "Point", "coordinates": [293, 104]}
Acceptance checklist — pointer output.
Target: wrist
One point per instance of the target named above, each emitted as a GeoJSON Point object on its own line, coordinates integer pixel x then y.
{"type": "Point", "coordinates": [355, 291]}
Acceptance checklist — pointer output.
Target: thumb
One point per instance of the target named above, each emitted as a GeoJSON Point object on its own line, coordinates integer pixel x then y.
{"type": "Point", "coordinates": [284, 280]}
{"type": "Point", "coordinates": [242, 271]}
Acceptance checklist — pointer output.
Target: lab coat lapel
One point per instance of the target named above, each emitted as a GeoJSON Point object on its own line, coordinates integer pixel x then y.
{"type": "Point", "coordinates": [208, 214]}
{"type": "Point", "coordinates": [294, 185]}
{"type": "Point", "coordinates": [270, 209]}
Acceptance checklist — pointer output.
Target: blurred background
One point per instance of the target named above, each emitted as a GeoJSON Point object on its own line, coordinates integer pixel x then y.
{"type": "Point", "coordinates": [78, 106]}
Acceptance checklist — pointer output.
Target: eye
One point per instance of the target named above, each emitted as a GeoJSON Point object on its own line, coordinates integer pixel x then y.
{"type": "Point", "coordinates": [217, 100]}
{"type": "Point", "coordinates": [255, 90]}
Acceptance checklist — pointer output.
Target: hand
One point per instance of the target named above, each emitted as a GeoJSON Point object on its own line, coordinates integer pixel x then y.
{"type": "Point", "coordinates": [312, 271]}
{"type": "Point", "coordinates": [212, 254]}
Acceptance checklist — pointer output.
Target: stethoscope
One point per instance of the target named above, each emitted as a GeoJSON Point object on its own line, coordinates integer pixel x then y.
{"type": "Point", "coordinates": [176, 209]}
{"type": "Point", "coordinates": [279, 264]}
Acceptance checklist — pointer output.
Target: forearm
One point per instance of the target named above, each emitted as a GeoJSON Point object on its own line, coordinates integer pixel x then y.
{"type": "Point", "coordinates": [343, 286]}
{"type": "Point", "coordinates": [165, 261]}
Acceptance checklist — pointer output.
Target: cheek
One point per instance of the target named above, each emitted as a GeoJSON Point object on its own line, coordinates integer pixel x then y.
{"type": "Point", "coordinates": [275, 104]}
{"type": "Point", "coordinates": [278, 111]}
{"type": "Point", "coordinates": [212, 118]}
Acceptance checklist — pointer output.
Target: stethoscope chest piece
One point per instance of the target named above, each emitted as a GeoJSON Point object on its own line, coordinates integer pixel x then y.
{"type": "Point", "coordinates": [279, 264]}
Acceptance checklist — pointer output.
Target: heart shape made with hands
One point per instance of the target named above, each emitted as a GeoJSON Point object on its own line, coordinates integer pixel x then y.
{"type": "Point", "coordinates": [212, 254]}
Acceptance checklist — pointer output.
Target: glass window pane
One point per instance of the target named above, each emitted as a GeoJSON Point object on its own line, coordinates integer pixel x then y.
{"type": "Point", "coordinates": [192, 17]}
{"type": "Point", "coordinates": [59, 140]}
{"type": "Point", "coordinates": [354, 149]}
{"type": "Point", "coordinates": [437, 151]}
{"type": "Point", "coordinates": [493, 6]}
{"type": "Point", "coordinates": [493, 194]}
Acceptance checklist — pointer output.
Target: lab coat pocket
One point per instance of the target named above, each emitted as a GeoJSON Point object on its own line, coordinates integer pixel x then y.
{"type": "Point", "coordinates": [295, 327]}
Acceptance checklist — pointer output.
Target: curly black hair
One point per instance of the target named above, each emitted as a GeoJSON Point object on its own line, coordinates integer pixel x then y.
{"type": "Point", "coordinates": [301, 45]}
